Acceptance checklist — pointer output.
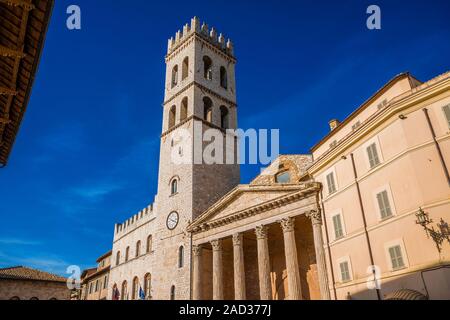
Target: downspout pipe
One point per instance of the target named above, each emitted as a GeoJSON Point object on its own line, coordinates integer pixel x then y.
{"type": "Point", "coordinates": [363, 215]}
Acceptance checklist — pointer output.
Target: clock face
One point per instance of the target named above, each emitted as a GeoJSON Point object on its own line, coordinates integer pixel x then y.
{"type": "Point", "coordinates": [172, 221]}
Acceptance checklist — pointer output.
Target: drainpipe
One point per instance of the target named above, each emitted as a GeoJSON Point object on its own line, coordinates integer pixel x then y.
{"type": "Point", "coordinates": [438, 148]}
{"type": "Point", "coordinates": [190, 269]}
{"type": "Point", "coordinates": [328, 245]}
{"type": "Point", "coordinates": [363, 215]}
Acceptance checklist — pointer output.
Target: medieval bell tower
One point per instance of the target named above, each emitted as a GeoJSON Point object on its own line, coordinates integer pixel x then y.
{"type": "Point", "coordinates": [199, 107]}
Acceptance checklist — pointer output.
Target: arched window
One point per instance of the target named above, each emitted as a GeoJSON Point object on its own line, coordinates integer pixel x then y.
{"type": "Point", "coordinates": [15, 298]}
{"type": "Point", "coordinates": [223, 78]}
{"type": "Point", "coordinates": [149, 244]}
{"type": "Point", "coordinates": [117, 258]}
{"type": "Point", "coordinates": [174, 76]}
{"type": "Point", "coordinates": [34, 298]}
{"type": "Point", "coordinates": [138, 248]}
{"type": "Point", "coordinates": [224, 123]}
{"type": "Point", "coordinates": [185, 68]}
{"type": "Point", "coordinates": [283, 177]}
{"type": "Point", "coordinates": [207, 68]}
{"type": "Point", "coordinates": [135, 292]}
{"type": "Point", "coordinates": [172, 293]}
{"type": "Point", "coordinates": [184, 109]}
{"type": "Point", "coordinates": [53, 299]}
{"type": "Point", "coordinates": [172, 116]}
{"type": "Point", "coordinates": [207, 109]}
{"type": "Point", "coordinates": [115, 293]}
{"type": "Point", "coordinates": [127, 254]}
{"type": "Point", "coordinates": [124, 294]}
{"type": "Point", "coordinates": [174, 187]}
{"type": "Point", "coordinates": [148, 286]}
{"type": "Point", "coordinates": [180, 257]}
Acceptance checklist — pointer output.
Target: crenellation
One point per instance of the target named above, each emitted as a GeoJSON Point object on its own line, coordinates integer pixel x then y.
{"type": "Point", "coordinates": [202, 30]}
{"type": "Point", "coordinates": [134, 221]}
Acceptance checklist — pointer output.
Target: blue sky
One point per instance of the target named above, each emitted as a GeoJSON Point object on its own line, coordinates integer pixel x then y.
{"type": "Point", "coordinates": [86, 156]}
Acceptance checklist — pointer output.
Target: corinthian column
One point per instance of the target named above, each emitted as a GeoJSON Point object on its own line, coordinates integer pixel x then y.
{"type": "Point", "coordinates": [239, 271]}
{"type": "Point", "coordinates": [197, 281]}
{"type": "Point", "coordinates": [265, 288]}
{"type": "Point", "coordinates": [217, 270]}
{"type": "Point", "coordinates": [290, 250]}
{"type": "Point", "coordinates": [316, 221]}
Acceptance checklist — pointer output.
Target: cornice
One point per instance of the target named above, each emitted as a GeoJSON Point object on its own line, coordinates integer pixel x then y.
{"type": "Point", "coordinates": [203, 88]}
{"type": "Point", "coordinates": [397, 105]}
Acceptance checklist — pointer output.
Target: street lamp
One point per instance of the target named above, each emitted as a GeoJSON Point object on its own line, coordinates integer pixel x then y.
{"type": "Point", "coordinates": [438, 236]}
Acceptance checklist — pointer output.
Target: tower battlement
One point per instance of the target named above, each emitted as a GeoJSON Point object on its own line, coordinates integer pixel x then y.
{"type": "Point", "coordinates": [134, 221]}
{"type": "Point", "coordinates": [202, 30]}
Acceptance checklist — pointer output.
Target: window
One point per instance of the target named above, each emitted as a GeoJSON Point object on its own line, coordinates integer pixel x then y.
{"type": "Point", "coordinates": [34, 298]}
{"type": "Point", "coordinates": [105, 283]}
{"type": "Point", "coordinates": [184, 109]}
{"type": "Point", "coordinates": [338, 229]}
{"type": "Point", "coordinates": [96, 286]}
{"type": "Point", "coordinates": [127, 254]}
{"type": "Point", "coordinates": [446, 110]}
{"type": "Point", "coordinates": [207, 68]}
{"type": "Point", "coordinates": [124, 295]}
{"type": "Point", "coordinates": [356, 125]}
{"type": "Point", "coordinates": [15, 298]}
{"type": "Point", "coordinates": [117, 258]}
{"type": "Point", "coordinates": [174, 187]}
{"type": "Point", "coordinates": [180, 257]}
{"type": "Point", "coordinates": [91, 287]}
{"type": "Point", "coordinates": [395, 253]}
{"type": "Point", "coordinates": [149, 244]}
{"type": "Point", "coordinates": [207, 109]}
{"type": "Point", "coordinates": [172, 293]}
{"type": "Point", "coordinates": [224, 117]}
{"type": "Point", "coordinates": [372, 153]}
{"type": "Point", "coordinates": [345, 271]}
{"type": "Point", "coordinates": [283, 177]}
{"type": "Point", "coordinates": [148, 285]}
{"type": "Point", "coordinates": [135, 292]}
{"type": "Point", "coordinates": [331, 183]}
{"type": "Point", "coordinates": [223, 78]}
{"type": "Point", "coordinates": [138, 248]}
{"type": "Point", "coordinates": [174, 76]}
{"type": "Point", "coordinates": [384, 205]}
{"type": "Point", "coordinates": [185, 69]}
{"type": "Point", "coordinates": [172, 116]}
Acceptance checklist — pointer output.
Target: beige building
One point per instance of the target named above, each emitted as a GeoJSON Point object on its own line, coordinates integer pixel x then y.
{"type": "Point", "coordinates": [94, 281]}
{"type": "Point", "coordinates": [21, 283]}
{"type": "Point", "coordinates": [387, 160]}
{"type": "Point", "coordinates": [336, 224]}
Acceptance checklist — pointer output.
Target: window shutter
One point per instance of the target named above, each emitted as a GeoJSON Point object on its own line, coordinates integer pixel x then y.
{"type": "Point", "coordinates": [384, 205]}
{"type": "Point", "coordinates": [447, 114]}
{"type": "Point", "coordinates": [338, 231]}
{"type": "Point", "coordinates": [372, 153]}
{"type": "Point", "coordinates": [330, 183]}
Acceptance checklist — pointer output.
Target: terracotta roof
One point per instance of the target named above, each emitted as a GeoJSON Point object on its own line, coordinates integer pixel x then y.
{"type": "Point", "coordinates": [24, 273]}
{"type": "Point", "coordinates": [23, 25]}
{"type": "Point", "coordinates": [104, 256]}
{"type": "Point", "coordinates": [87, 273]}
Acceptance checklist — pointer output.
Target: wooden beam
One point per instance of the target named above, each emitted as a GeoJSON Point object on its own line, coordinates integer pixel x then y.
{"type": "Point", "coordinates": [19, 3]}
{"type": "Point", "coordinates": [6, 52]}
{"type": "Point", "coordinates": [7, 92]}
{"type": "Point", "coordinates": [26, 4]}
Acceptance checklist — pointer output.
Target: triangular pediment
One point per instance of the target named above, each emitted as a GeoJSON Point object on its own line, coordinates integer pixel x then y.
{"type": "Point", "coordinates": [244, 198]}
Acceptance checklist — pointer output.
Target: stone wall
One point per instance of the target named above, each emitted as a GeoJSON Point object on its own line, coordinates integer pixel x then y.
{"type": "Point", "coordinates": [27, 289]}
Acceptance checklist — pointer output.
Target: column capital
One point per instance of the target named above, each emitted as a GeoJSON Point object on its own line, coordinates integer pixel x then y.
{"type": "Point", "coordinates": [216, 245]}
{"type": "Point", "coordinates": [237, 239]}
{"type": "Point", "coordinates": [197, 250]}
{"type": "Point", "coordinates": [261, 232]}
{"type": "Point", "coordinates": [315, 216]}
{"type": "Point", "coordinates": [288, 224]}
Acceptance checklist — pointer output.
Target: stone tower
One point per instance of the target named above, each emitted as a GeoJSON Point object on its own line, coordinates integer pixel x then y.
{"type": "Point", "coordinates": [200, 100]}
